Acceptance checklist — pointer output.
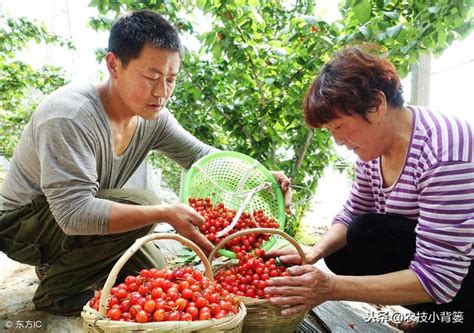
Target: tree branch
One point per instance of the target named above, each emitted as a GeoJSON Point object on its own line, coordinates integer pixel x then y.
{"type": "Point", "coordinates": [254, 75]}
{"type": "Point", "coordinates": [304, 149]}
{"type": "Point", "coordinates": [263, 100]}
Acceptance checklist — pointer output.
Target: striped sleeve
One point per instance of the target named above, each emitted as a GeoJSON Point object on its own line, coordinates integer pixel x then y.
{"type": "Point", "coordinates": [361, 198]}
{"type": "Point", "coordinates": [445, 230]}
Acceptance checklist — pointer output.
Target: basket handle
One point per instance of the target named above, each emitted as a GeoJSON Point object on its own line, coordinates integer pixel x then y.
{"type": "Point", "coordinates": [134, 248]}
{"type": "Point", "coordinates": [241, 209]}
{"type": "Point", "coordinates": [290, 239]}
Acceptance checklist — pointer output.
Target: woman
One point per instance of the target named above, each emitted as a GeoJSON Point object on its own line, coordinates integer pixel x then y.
{"type": "Point", "coordinates": [405, 235]}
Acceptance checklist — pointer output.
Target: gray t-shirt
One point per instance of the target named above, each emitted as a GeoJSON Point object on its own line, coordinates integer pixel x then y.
{"type": "Point", "coordinates": [66, 154]}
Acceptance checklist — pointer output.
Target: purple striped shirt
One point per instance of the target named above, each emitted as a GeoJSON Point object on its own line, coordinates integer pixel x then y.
{"type": "Point", "coordinates": [435, 188]}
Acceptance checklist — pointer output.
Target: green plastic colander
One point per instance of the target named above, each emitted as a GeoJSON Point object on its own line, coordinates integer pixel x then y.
{"type": "Point", "coordinates": [228, 177]}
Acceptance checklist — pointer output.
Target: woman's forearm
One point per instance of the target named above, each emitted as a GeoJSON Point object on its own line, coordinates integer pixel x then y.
{"type": "Point", "coordinates": [402, 287]}
{"type": "Point", "coordinates": [334, 239]}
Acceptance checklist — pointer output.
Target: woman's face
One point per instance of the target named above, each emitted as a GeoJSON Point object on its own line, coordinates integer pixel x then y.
{"type": "Point", "coordinates": [366, 139]}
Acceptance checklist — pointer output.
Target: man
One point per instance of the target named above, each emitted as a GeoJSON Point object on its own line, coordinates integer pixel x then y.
{"type": "Point", "coordinates": [62, 202]}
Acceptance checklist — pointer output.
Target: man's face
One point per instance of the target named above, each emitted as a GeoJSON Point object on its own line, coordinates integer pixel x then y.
{"type": "Point", "coordinates": [146, 83]}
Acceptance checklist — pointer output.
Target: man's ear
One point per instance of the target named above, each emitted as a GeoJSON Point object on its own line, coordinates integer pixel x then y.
{"type": "Point", "coordinates": [113, 64]}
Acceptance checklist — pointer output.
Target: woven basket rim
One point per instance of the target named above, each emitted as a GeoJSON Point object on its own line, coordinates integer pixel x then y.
{"type": "Point", "coordinates": [97, 318]}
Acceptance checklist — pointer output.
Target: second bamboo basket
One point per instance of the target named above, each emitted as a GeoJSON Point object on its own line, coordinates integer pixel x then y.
{"type": "Point", "coordinates": [262, 316]}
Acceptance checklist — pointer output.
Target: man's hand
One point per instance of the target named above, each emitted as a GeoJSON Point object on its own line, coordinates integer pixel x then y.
{"type": "Point", "coordinates": [184, 220]}
{"type": "Point", "coordinates": [285, 185]}
{"type": "Point", "coordinates": [305, 288]}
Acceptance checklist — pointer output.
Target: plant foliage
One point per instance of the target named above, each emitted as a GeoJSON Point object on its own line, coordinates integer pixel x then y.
{"type": "Point", "coordinates": [241, 88]}
{"type": "Point", "coordinates": [21, 86]}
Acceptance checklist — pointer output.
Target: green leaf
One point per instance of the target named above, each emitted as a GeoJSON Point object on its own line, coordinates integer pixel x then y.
{"type": "Point", "coordinates": [394, 31]}
{"type": "Point", "coordinates": [275, 43]}
{"type": "Point", "coordinates": [253, 3]}
{"type": "Point", "coordinates": [295, 21]}
{"type": "Point", "coordinates": [364, 31]}
{"type": "Point", "coordinates": [216, 53]}
{"type": "Point", "coordinates": [201, 4]}
{"type": "Point", "coordinates": [362, 11]}
{"type": "Point", "coordinates": [380, 36]}
{"type": "Point", "coordinates": [311, 20]}
{"type": "Point", "coordinates": [401, 38]}
{"type": "Point", "coordinates": [280, 51]}
{"type": "Point", "coordinates": [392, 15]}
{"type": "Point", "coordinates": [327, 40]}
{"type": "Point", "coordinates": [441, 38]}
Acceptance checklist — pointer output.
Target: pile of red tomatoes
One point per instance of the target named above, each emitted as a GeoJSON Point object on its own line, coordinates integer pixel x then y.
{"type": "Point", "coordinates": [250, 276]}
{"type": "Point", "coordinates": [168, 295]}
{"type": "Point", "coordinates": [217, 217]}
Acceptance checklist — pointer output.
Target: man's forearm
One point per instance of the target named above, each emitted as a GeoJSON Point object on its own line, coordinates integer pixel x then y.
{"type": "Point", "coordinates": [125, 217]}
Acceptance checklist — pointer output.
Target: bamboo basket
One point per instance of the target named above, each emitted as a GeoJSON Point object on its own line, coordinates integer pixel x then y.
{"type": "Point", "coordinates": [97, 322]}
{"type": "Point", "coordinates": [262, 316]}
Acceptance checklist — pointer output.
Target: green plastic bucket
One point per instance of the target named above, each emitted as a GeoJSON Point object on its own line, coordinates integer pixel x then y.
{"type": "Point", "coordinates": [221, 175]}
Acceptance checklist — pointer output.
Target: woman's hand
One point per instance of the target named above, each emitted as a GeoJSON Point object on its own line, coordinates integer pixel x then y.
{"type": "Point", "coordinates": [305, 288]}
{"type": "Point", "coordinates": [285, 185]}
{"type": "Point", "coordinates": [184, 220]}
{"type": "Point", "coordinates": [290, 257]}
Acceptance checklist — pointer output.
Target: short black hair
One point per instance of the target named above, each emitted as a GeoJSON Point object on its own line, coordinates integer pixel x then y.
{"type": "Point", "coordinates": [132, 31]}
